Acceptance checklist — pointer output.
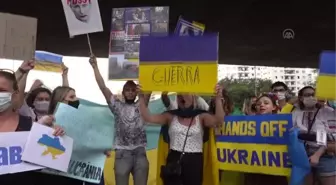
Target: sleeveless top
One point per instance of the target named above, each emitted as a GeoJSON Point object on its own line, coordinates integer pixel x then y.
{"type": "Point", "coordinates": [177, 134]}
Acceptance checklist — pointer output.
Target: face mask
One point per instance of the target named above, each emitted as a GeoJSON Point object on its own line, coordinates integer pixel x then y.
{"type": "Point", "coordinates": [129, 101]}
{"type": "Point", "coordinates": [309, 102]}
{"type": "Point", "coordinates": [74, 104]}
{"type": "Point", "coordinates": [41, 106]}
{"type": "Point", "coordinates": [281, 95]}
{"type": "Point", "coordinates": [5, 101]}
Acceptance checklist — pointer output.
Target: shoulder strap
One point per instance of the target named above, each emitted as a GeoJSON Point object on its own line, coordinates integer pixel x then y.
{"type": "Point", "coordinates": [311, 123]}
{"type": "Point", "coordinates": [186, 138]}
{"type": "Point", "coordinates": [25, 123]}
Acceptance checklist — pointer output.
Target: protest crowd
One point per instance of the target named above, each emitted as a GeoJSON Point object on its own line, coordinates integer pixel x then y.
{"type": "Point", "coordinates": [276, 138]}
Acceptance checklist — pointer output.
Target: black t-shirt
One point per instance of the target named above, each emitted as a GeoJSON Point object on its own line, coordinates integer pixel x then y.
{"type": "Point", "coordinates": [33, 177]}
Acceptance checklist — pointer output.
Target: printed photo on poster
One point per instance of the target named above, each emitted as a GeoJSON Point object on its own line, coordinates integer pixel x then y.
{"type": "Point", "coordinates": [128, 25]}
{"type": "Point", "coordinates": [117, 41]}
{"type": "Point", "coordinates": [160, 14]}
{"type": "Point", "coordinates": [120, 68]}
{"type": "Point", "coordinates": [82, 16]}
{"type": "Point", "coordinates": [118, 19]}
{"type": "Point", "coordinates": [137, 15]}
{"type": "Point", "coordinates": [134, 31]}
{"type": "Point", "coordinates": [132, 50]}
{"type": "Point", "coordinates": [160, 28]}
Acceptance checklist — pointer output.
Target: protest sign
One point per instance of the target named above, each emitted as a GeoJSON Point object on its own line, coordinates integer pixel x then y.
{"type": "Point", "coordinates": [11, 148]}
{"type": "Point", "coordinates": [46, 61]}
{"type": "Point", "coordinates": [82, 16]}
{"type": "Point", "coordinates": [17, 36]}
{"type": "Point", "coordinates": [128, 24]}
{"type": "Point", "coordinates": [326, 80]}
{"type": "Point", "coordinates": [179, 64]}
{"type": "Point", "coordinates": [255, 144]}
{"type": "Point", "coordinates": [88, 158]}
{"type": "Point", "coordinates": [186, 28]}
{"type": "Point", "coordinates": [44, 149]}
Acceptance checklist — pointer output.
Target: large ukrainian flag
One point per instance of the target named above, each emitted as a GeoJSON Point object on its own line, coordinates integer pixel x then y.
{"type": "Point", "coordinates": [326, 80]}
{"type": "Point", "coordinates": [179, 64]}
{"type": "Point", "coordinates": [46, 61]}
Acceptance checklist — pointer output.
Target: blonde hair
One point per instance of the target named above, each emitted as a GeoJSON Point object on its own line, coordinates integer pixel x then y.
{"type": "Point", "coordinates": [57, 96]}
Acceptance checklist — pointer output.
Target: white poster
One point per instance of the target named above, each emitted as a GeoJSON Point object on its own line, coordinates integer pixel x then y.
{"type": "Point", "coordinates": [17, 36]}
{"type": "Point", "coordinates": [11, 148]}
{"type": "Point", "coordinates": [82, 16]}
{"type": "Point", "coordinates": [44, 149]}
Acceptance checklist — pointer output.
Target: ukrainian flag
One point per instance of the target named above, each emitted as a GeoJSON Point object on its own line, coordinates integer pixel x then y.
{"type": "Point", "coordinates": [326, 80]}
{"type": "Point", "coordinates": [179, 64]}
{"type": "Point", "coordinates": [46, 61]}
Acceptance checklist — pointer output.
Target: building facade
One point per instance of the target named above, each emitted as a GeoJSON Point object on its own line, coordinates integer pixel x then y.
{"type": "Point", "coordinates": [295, 78]}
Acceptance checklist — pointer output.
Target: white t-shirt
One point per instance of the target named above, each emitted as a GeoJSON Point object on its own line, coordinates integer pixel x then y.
{"type": "Point", "coordinates": [201, 104]}
{"type": "Point", "coordinates": [325, 120]}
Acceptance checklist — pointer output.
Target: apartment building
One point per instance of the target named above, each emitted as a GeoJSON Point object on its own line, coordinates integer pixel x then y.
{"type": "Point", "coordinates": [295, 78]}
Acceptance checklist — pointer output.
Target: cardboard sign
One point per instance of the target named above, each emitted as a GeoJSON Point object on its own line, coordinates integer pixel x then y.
{"type": "Point", "coordinates": [17, 36]}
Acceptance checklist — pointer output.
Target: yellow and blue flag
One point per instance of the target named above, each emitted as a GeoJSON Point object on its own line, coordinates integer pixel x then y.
{"type": "Point", "coordinates": [326, 80]}
{"type": "Point", "coordinates": [46, 61]}
{"type": "Point", "coordinates": [179, 64]}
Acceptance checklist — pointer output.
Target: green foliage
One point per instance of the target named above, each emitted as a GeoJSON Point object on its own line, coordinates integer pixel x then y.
{"type": "Point", "coordinates": [239, 89]}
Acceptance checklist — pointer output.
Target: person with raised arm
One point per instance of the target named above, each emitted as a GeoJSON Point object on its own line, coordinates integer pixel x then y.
{"type": "Point", "coordinates": [187, 130]}
{"type": "Point", "coordinates": [130, 136]}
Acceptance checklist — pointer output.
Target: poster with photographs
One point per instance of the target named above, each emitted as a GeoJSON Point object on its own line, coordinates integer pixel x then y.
{"type": "Point", "coordinates": [128, 25]}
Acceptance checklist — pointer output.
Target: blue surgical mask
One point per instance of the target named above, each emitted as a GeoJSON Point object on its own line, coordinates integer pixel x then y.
{"type": "Point", "coordinates": [5, 101]}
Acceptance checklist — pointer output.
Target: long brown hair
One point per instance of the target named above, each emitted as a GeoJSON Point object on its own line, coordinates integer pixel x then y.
{"type": "Point", "coordinates": [228, 104]}
{"type": "Point", "coordinates": [58, 95]}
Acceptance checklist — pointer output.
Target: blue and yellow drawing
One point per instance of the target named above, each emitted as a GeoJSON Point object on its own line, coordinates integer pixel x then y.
{"type": "Point", "coordinates": [53, 145]}
{"type": "Point", "coordinates": [46, 61]}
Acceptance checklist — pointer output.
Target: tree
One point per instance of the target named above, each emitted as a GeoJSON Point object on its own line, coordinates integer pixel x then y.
{"type": "Point", "coordinates": [239, 89]}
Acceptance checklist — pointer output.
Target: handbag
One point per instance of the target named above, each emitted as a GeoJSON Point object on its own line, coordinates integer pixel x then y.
{"type": "Point", "coordinates": [173, 170]}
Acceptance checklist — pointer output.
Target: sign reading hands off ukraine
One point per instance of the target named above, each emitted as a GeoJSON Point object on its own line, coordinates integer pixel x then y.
{"type": "Point", "coordinates": [255, 144]}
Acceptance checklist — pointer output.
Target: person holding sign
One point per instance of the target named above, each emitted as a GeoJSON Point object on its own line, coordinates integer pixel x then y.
{"type": "Point", "coordinates": [11, 121]}
{"type": "Point", "coordinates": [184, 164]}
{"type": "Point", "coordinates": [38, 98]}
{"type": "Point", "coordinates": [130, 136]}
{"type": "Point", "coordinates": [312, 118]}
{"type": "Point", "coordinates": [266, 104]}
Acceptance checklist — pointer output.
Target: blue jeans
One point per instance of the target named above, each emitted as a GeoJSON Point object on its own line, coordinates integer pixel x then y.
{"type": "Point", "coordinates": [131, 161]}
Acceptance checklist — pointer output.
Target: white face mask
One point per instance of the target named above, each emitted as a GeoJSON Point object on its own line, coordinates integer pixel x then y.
{"type": "Point", "coordinates": [281, 95]}
{"type": "Point", "coordinates": [41, 106]}
{"type": "Point", "coordinates": [309, 102]}
{"type": "Point", "coordinates": [5, 101]}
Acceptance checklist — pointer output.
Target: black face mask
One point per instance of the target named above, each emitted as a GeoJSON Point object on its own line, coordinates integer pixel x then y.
{"type": "Point", "coordinates": [74, 104]}
{"type": "Point", "coordinates": [129, 101]}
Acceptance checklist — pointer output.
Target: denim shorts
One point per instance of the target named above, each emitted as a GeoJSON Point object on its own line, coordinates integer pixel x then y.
{"type": "Point", "coordinates": [326, 166]}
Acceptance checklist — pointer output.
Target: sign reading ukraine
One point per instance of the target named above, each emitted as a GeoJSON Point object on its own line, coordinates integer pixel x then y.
{"type": "Point", "coordinates": [179, 64]}
{"type": "Point", "coordinates": [255, 144]}
{"type": "Point", "coordinates": [326, 80]}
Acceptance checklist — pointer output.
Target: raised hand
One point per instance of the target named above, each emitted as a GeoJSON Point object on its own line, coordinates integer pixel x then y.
{"type": "Point", "coordinates": [93, 61]}
{"type": "Point", "coordinates": [27, 65]}
{"type": "Point", "coordinates": [65, 69]}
